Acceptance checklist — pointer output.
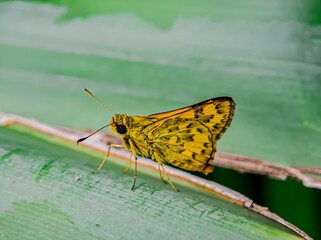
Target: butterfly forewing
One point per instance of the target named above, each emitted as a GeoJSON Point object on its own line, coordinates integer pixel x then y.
{"type": "Point", "coordinates": [215, 113]}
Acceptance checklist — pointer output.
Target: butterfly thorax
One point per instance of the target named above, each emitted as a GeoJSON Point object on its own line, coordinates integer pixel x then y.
{"type": "Point", "coordinates": [132, 127]}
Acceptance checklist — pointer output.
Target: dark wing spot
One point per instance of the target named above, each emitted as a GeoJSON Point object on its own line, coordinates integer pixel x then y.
{"type": "Point", "coordinates": [188, 161]}
{"type": "Point", "coordinates": [199, 130]}
{"type": "Point", "coordinates": [218, 106]}
{"type": "Point", "coordinates": [206, 145]}
{"type": "Point", "coordinates": [193, 155]}
{"type": "Point", "coordinates": [188, 131]}
{"type": "Point", "coordinates": [189, 138]}
{"type": "Point", "coordinates": [219, 112]}
{"type": "Point", "coordinates": [216, 126]}
{"type": "Point", "coordinates": [207, 120]}
{"type": "Point", "coordinates": [189, 125]}
{"type": "Point", "coordinates": [181, 150]}
{"type": "Point", "coordinates": [198, 110]}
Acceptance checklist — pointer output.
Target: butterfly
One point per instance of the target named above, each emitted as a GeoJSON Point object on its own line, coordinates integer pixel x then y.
{"type": "Point", "coordinates": [185, 138]}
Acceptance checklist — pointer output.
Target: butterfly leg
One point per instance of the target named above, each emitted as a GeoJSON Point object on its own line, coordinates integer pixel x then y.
{"type": "Point", "coordinates": [169, 179]}
{"type": "Point", "coordinates": [110, 146]}
{"type": "Point", "coordinates": [158, 159]}
{"type": "Point", "coordinates": [129, 162]}
{"type": "Point", "coordinates": [135, 156]}
{"type": "Point", "coordinates": [160, 174]}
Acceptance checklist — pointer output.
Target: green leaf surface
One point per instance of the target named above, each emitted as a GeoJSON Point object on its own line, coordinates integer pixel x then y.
{"type": "Point", "coordinates": [41, 200]}
{"type": "Point", "coordinates": [145, 57]}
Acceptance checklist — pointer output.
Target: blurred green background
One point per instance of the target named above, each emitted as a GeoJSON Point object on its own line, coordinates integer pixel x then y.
{"type": "Point", "coordinates": [142, 57]}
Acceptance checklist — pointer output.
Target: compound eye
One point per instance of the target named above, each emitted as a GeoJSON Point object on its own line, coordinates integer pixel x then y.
{"type": "Point", "coordinates": [121, 129]}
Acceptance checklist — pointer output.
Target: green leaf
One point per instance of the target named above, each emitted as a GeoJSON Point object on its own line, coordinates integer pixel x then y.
{"type": "Point", "coordinates": [40, 199]}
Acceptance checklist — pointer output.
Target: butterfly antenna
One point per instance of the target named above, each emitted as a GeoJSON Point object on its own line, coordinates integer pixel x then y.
{"type": "Point", "coordinates": [89, 93]}
{"type": "Point", "coordinates": [83, 139]}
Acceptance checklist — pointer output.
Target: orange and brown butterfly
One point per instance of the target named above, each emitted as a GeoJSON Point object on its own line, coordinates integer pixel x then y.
{"type": "Point", "coordinates": [185, 137]}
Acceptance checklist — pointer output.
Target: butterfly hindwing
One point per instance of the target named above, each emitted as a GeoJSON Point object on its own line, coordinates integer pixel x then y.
{"type": "Point", "coordinates": [184, 143]}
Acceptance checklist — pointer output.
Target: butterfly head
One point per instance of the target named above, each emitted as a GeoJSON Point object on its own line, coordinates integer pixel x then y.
{"type": "Point", "coordinates": [119, 124]}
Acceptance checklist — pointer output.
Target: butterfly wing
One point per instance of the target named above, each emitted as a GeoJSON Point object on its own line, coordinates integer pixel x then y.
{"type": "Point", "coordinates": [187, 137]}
{"type": "Point", "coordinates": [215, 113]}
